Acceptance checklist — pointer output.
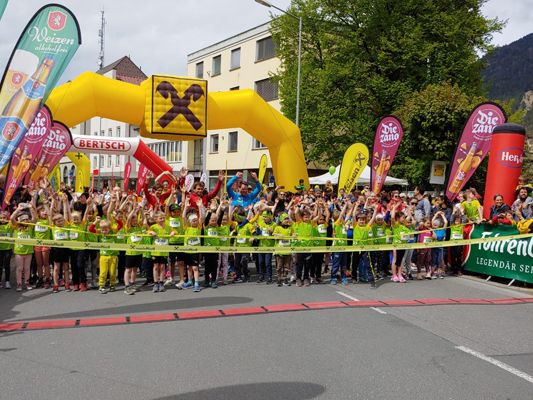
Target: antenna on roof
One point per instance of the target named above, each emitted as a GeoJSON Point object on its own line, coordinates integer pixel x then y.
{"type": "Point", "coordinates": [101, 40]}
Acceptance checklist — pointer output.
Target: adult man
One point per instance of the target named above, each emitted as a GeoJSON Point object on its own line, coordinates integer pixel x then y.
{"type": "Point", "coordinates": [243, 198]}
{"type": "Point", "coordinates": [523, 205]}
{"type": "Point", "coordinates": [423, 208]}
{"type": "Point", "coordinates": [198, 192]}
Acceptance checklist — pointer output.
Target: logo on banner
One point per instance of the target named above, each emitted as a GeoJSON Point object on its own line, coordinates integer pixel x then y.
{"type": "Point", "coordinates": [484, 123]}
{"type": "Point", "coordinates": [101, 144]}
{"type": "Point", "coordinates": [511, 157]}
{"type": "Point", "coordinates": [17, 78]}
{"type": "Point", "coordinates": [56, 142]}
{"type": "Point", "coordinates": [11, 130]}
{"type": "Point", "coordinates": [38, 128]}
{"type": "Point", "coordinates": [389, 134]}
{"type": "Point", "coordinates": [56, 20]}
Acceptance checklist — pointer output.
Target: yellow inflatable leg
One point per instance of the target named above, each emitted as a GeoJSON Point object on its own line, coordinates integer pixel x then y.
{"type": "Point", "coordinates": [83, 170]}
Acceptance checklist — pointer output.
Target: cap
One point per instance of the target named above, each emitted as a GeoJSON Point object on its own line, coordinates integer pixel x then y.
{"type": "Point", "coordinates": [266, 214]}
{"type": "Point", "coordinates": [174, 207]}
{"type": "Point", "coordinates": [283, 217]}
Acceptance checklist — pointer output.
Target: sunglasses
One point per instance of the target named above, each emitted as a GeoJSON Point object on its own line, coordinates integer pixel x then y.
{"type": "Point", "coordinates": [414, 204]}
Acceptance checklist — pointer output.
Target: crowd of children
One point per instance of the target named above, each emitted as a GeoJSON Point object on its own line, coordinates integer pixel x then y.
{"type": "Point", "coordinates": [272, 218]}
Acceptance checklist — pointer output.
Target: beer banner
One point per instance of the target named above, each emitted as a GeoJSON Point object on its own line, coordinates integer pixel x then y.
{"type": "Point", "coordinates": [473, 146]}
{"type": "Point", "coordinates": [263, 164]}
{"type": "Point", "coordinates": [42, 53]}
{"type": "Point", "coordinates": [389, 134]}
{"type": "Point", "coordinates": [511, 259]}
{"type": "Point", "coordinates": [26, 153]}
{"type": "Point", "coordinates": [3, 4]}
{"type": "Point", "coordinates": [54, 146]}
{"type": "Point", "coordinates": [353, 163]}
{"type": "Point", "coordinates": [127, 173]}
{"type": "Point", "coordinates": [141, 178]}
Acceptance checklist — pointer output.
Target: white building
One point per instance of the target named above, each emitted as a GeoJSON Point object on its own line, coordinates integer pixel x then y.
{"type": "Point", "coordinates": [244, 61]}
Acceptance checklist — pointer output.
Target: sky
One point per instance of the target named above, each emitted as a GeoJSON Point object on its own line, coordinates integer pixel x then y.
{"type": "Point", "coordinates": [159, 34]}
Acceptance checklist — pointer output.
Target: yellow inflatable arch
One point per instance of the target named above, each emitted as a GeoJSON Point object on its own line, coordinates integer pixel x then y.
{"type": "Point", "coordinates": [91, 95]}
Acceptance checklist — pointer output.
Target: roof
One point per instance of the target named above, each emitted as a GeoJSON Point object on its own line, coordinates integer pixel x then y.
{"type": "Point", "coordinates": [126, 71]}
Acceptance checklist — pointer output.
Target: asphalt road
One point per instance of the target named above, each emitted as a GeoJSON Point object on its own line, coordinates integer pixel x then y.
{"type": "Point", "coordinates": [344, 353]}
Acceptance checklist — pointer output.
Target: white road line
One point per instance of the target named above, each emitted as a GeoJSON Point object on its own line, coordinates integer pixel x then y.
{"type": "Point", "coordinates": [379, 310]}
{"type": "Point", "coordinates": [499, 364]}
{"type": "Point", "coordinates": [347, 296]}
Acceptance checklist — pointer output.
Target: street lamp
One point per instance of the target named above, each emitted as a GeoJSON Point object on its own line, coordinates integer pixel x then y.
{"type": "Point", "coordinates": [267, 4]}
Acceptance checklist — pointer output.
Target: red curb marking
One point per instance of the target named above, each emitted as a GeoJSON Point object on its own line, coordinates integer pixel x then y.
{"type": "Point", "coordinates": [472, 301]}
{"type": "Point", "coordinates": [103, 321]}
{"type": "Point", "coordinates": [69, 323]}
{"type": "Point", "coordinates": [526, 299]}
{"type": "Point", "coordinates": [505, 301]}
{"type": "Point", "coordinates": [152, 318]}
{"type": "Point", "coordinates": [436, 301]}
{"type": "Point", "coordinates": [15, 326]}
{"type": "Point", "coordinates": [325, 304]}
{"type": "Point", "coordinates": [401, 302]}
{"type": "Point", "coordinates": [243, 311]}
{"type": "Point", "coordinates": [367, 303]}
{"type": "Point", "coordinates": [285, 307]}
{"type": "Point", "coordinates": [199, 314]}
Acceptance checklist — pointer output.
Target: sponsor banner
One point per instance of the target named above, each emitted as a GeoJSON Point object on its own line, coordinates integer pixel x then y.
{"type": "Point", "coordinates": [511, 258]}
{"type": "Point", "coordinates": [141, 178]}
{"type": "Point", "coordinates": [42, 53]}
{"type": "Point", "coordinates": [263, 164]}
{"type": "Point", "coordinates": [474, 145]}
{"type": "Point", "coordinates": [353, 163]}
{"type": "Point", "coordinates": [127, 173]}
{"type": "Point", "coordinates": [88, 144]}
{"type": "Point", "coordinates": [388, 137]}
{"type": "Point", "coordinates": [3, 4]}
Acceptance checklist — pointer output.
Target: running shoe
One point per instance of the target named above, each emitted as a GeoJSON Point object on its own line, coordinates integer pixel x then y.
{"type": "Point", "coordinates": [67, 288]}
{"type": "Point", "coordinates": [395, 278]}
{"type": "Point", "coordinates": [111, 288]}
{"type": "Point", "coordinates": [7, 285]}
{"type": "Point", "coordinates": [307, 282]}
{"type": "Point", "coordinates": [102, 290]}
{"type": "Point", "coordinates": [214, 285]}
{"type": "Point", "coordinates": [161, 287]}
{"type": "Point", "coordinates": [128, 291]}
{"type": "Point", "coordinates": [333, 281]}
{"type": "Point", "coordinates": [344, 281]}
{"type": "Point", "coordinates": [187, 285]}
{"type": "Point", "coordinates": [179, 285]}
{"type": "Point", "coordinates": [401, 279]}
{"type": "Point", "coordinates": [197, 288]}
{"type": "Point", "coordinates": [19, 288]}
{"type": "Point", "coordinates": [168, 282]}
{"type": "Point", "coordinates": [155, 288]}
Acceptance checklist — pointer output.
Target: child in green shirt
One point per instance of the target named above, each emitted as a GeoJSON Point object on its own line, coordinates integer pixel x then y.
{"type": "Point", "coordinates": [6, 249]}
{"type": "Point", "coordinates": [21, 221]}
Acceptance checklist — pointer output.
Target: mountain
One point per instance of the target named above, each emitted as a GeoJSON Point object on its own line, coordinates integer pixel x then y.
{"type": "Point", "coordinates": [508, 74]}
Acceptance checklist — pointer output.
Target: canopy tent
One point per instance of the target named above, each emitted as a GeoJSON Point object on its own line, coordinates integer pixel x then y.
{"type": "Point", "coordinates": [364, 179]}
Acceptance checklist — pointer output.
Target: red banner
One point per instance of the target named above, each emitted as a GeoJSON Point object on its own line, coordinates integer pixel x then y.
{"type": "Point", "coordinates": [473, 146]}
{"type": "Point", "coordinates": [127, 173]}
{"type": "Point", "coordinates": [141, 178]}
{"type": "Point", "coordinates": [389, 134]}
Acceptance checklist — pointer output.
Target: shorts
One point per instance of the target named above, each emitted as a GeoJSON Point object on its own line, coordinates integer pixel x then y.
{"type": "Point", "coordinates": [133, 261]}
{"type": "Point", "coordinates": [176, 257]}
{"type": "Point", "coordinates": [191, 259]}
{"type": "Point", "coordinates": [160, 259]}
{"type": "Point", "coordinates": [41, 249]}
{"type": "Point", "coordinates": [60, 255]}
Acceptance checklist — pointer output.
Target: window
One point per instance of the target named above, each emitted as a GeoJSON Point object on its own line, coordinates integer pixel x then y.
{"type": "Point", "coordinates": [265, 49]}
{"type": "Point", "coordinates": [95, 162]}
{"type": "Point", "coordinates": [118, 131]}
{"type": "Point", "coordinates": [234, 88]}
{"type": "Point", "coordinates": [256, 144]}
{"type": "Point", "coordinates": [233, 141]}
{"type": "Point", "coordinates": [109, 161]}
{"type": "Point", "coordinates": [117, 161]}
{"type": "Point", "coordinates": [101, 164]}
{"type": "Point", "coordinates": [216, 65]}
{"type": "Point", "coordinates": [198, 159]}
{"type": "Point", "coordinates": [102, 133]}
{"type": "Point", "coordinates": [174, 153]}
{"type": "Point", "coordinates": [95, 133]}
{"type": "Point", "coordinates": [200, 70]}
{"type": "Point", "coordinates": [235, 59]}
{"type": "Point", "coordinates": [267, 89]}
{"type": "Point", "coordinates": [214, 144]}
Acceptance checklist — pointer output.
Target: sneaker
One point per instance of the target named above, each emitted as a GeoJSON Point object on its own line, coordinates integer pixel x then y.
{"type": "Point", "coordinates": [83, 287]}
{"type": "Point", "coordinates": [441, 276]}
{"type": "Point", "coordinates": [298, 283]}
{"type": "Point", "coordinates": [179, 285]}
{"type": "Point", "coordinates": [395, 278]}
{"type": "Point", "coordinates": [19, 288]}
{"type": "Point", "coordinates": [433, 277]}
{"type": "Point", "coordinates": [318, 281]}
{"type": "Point", "coordinates": [7, 285]}
{"type": "Point", "coordinates": [279, 283]}
{"type": "Point", "coordinates": [307, 282]}
{"type": "Point", "coordinates": [128, 290]}
{"type": "Point", "coordinates": [292, 278]}
{"type": "Point", "coordinates": [29, 287]}
{"type": "Point", "coordinates": [111, 288]}
{"type": "Point", "coordinates": [161, 287]}
{"type": "Point", "coordinates": [102, 290]}
{"type": "Point", "coordinates": [214, 285]}
{"type": "Point", "coordinates": [55, 289]}
{"type": "Point", "coordinates": [344, 281]}
{"type": "Point", "coordinates": [187, 285]}
{"type": "Point", "coordinates": [287, 283]}
{"type": "Point", "coordinates": [76, 288]}
{"type": "Point", "coordinates": [155, 288]}
{"type": "Point", "coordinates": [238, 280]}
{"type": "Point", "coordinates": [261, 279]}
{"type": "Point", "coordinates": [401, 279]}
{"type": "Point", "coordinates": [333, 281]}
{"type": "Point", "coordinates": [269, 281]}
{"type": "Point", "coordinates": [197, 288]}
{"type": "Point", "coordinates": [67, 288]}
{"type": "Point", "coordinates": [168, 282]}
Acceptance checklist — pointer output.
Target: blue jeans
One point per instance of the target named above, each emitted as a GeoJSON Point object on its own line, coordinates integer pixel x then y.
{"type": "Point", "coordinates": [265, 265]}
{"type": "Point", "coordinates": [365, 275]}
{"type": "Point", "coordinates": [339, 262]}
{"type": "Point", "coordinates": [436, 256]}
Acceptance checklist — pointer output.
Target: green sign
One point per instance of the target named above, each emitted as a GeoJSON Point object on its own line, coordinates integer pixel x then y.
{"type": "Point", "coordinates": [512, 259]}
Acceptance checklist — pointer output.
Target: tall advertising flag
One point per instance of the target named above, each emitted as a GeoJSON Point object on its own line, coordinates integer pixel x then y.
{"type": "Point", "coordinates": [42, 53]}
{"type": "Point", "coordinates": [263, 164]}
{"type": "Point", "coordinates": [3, 4]}
{"type": "Point", "coordinates": [127, 173]}
{"type": "Point", "coordinates": [474, 145]}
{"type": "Point", "coordinates": [353, 164]}
{"type": "Point", "coordinates": [141, 178]}
{"type": "Point", "coordinates": [389, 134]}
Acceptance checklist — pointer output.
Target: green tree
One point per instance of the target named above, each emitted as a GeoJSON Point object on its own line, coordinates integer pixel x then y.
{"type": "Point", "coordinates": [362, 59]}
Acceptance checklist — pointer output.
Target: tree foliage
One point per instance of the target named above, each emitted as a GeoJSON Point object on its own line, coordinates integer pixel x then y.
{"type": "Point", "coordinates": [362, 59]}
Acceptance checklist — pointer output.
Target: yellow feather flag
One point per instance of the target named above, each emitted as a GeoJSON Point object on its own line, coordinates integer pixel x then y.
{"type": "Point", "coordinates": [263, 164]}
{"type": "Point", "coordinates": [353, 163]}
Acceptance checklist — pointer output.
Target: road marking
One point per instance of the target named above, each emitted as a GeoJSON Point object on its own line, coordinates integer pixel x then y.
{"type": "Point", "coordinates": [347, 296]}
{"type": "Point", "coordinates": [379, 310]}
{"type": "Point", "coordinates": [497, 363]}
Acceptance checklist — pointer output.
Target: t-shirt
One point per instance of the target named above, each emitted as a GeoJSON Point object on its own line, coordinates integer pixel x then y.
{"type": "Point", "coordinates": [471, 209]}
{"type": "Point", "coordinates": [320, 231]}
{"type": "Point", "coordinates": [42, 230]}
{"type": "Point", "coordinates": [176, 224]}
{"type": "Point", "coordinates": [456, 232]}
{"type": "Point", "coordinates": [6, 230]}
{"type": "Point", "coordinates": [284, 242]}
{"type": "Point", "coordinates": [266, 230]}
{"type": "Point", "coordinates": [360, 235]}
{"type": "Point", "coordinates": [401, 233]}
{"type": "Point", "coordinates": [76, 232]}
{"type": "Point", "coordinates": [223, 233]}
{"type": "Point", "coordinates": [379, 233]}
{"type": "Point", "coordinates": [340, 231]}
{"type": "Point", "coordinates": [425, 237]}
{"type": "Point", "coordinates": [244, 233]}
{"type": "Point", "coordinates": [108, 239]}
{"type": "Point", "coordinates": [162, 239]}
{"type": "Point", "coordinates": [21, 232]}
{"type": "Point", "coordinates": [212, 233]}
{"type": "Point", "coordinates": [303, 230]}
{"type": "Point", "coordinates": [134, 235]}
{"type": "Point", "coordinates": [192, 236]}
{"type": "Point", "coordinates": [60, 233]}
{"type": "Point", "coordinates": [440, 234]}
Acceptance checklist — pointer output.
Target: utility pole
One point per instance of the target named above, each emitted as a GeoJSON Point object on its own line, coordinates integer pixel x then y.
{"type": "Point", "coordinates": [101, 40]}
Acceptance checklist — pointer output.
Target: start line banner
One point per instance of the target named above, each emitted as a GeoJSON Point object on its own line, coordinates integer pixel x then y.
{"type": "Point", "coordinates": [78, 245]}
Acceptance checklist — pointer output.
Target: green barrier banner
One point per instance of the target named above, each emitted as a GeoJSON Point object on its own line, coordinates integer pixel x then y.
{"type": "Point", "coordinates": [511, 258]}
{"type": "Point", "coordinates": [78, 245]}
